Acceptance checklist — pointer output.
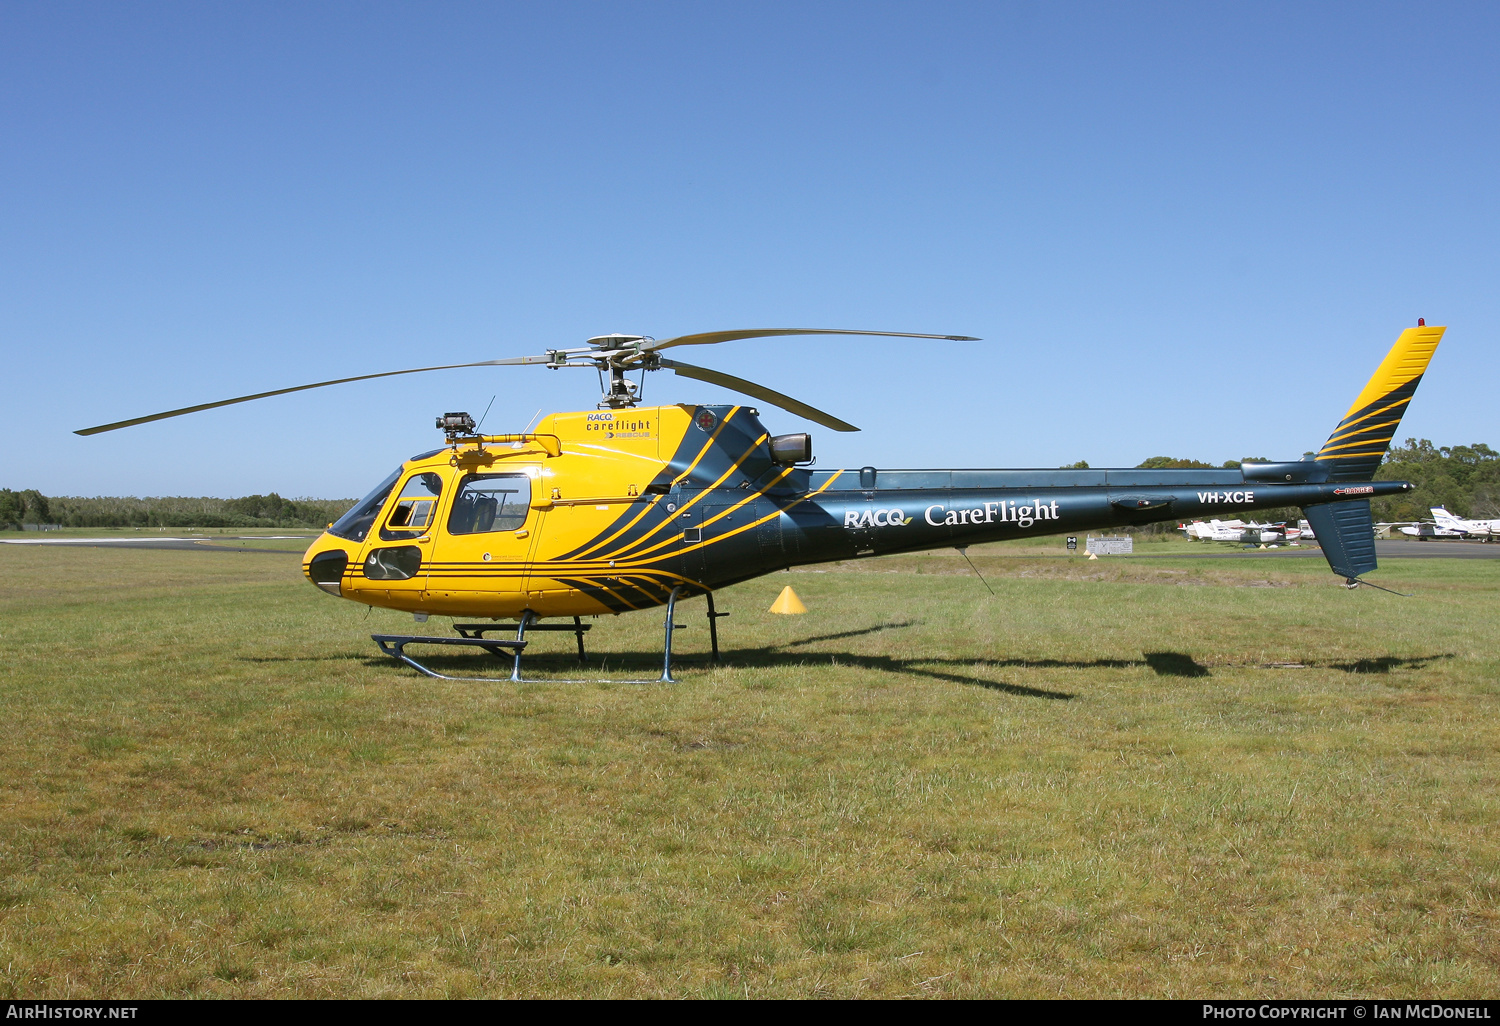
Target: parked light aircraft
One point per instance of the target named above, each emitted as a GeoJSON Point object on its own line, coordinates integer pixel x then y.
{"type": "Point", "coordinates": [1445, 525]}
{"type": "Point", "coordinates": [1425, 530]}
{"type": "Point", "coordinates": [1238, 531]}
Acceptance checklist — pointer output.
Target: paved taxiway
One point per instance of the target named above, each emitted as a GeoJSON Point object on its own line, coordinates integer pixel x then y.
{"type": "Point", "coordinates": [1383, 550]}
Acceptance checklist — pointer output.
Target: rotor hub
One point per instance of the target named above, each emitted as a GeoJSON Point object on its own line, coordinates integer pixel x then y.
{"type": "Point", "coordinates": [609, 343]}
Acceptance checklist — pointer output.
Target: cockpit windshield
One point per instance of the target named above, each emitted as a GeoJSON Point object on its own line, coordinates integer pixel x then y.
{"type": "Point", "coordinates": [356, 523]}
{"type": "Point", "coordinates": [415, 507]}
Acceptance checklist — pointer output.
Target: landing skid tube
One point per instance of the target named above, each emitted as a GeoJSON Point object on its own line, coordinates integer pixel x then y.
{"type": "Point", "coordinates": [394, 645]}
{"type": "Point", "coordinates": [472, 636]}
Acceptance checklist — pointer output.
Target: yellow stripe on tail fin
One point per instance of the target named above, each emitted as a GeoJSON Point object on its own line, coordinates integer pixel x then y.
{"type": "Point", "coordinates": [1358, 444]}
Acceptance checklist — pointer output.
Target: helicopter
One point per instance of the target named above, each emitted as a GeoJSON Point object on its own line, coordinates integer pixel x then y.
{"type": "Point", "coordinates": [628, 507]}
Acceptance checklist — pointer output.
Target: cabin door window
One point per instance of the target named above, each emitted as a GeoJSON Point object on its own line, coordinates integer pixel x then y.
{"type": "Point", "coordinates": [487, 503]}
{"type": "Point", "coordinates": [488, 534]}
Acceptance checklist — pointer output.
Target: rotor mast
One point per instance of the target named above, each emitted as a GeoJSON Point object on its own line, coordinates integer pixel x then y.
{"type": "Point", "coordinates": [618, 353]}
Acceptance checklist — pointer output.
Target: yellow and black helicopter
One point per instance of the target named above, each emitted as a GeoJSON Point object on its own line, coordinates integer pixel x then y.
{"type": "Point", "coordinates": [627, 507]}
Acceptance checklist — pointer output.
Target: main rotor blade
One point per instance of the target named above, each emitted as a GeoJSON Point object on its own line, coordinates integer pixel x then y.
{"type": "Point", "coordinates": [302, 388]}
{"type": "Point", "coordinates": [708, 338]}
{"type": "Point", "coordinates": [760, 392]}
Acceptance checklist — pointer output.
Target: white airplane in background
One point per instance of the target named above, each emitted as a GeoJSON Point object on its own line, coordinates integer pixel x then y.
{"type": "Point", "coordinates": [1243, 533]}
{"type": "Point", "coordinates": [1446, 525]}
{"type": "Point", "coordinates": [1427, 529]}
{"type": "Point", "coordinates": [1216, 530]}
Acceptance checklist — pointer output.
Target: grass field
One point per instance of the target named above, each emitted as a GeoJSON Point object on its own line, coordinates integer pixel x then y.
{"type": "Point", "coordinates": [1124, 777]}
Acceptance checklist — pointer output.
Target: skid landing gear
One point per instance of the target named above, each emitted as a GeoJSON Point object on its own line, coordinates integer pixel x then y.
{"type": "Point", "coordinates": [528, 622]}
{"type": "Point", "coordinates": [713, 625]}
{"type": "Point", "coordinates": [472, 635]}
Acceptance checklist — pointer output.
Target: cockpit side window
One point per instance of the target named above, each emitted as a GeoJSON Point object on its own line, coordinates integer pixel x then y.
{"type": "Point", "coordinates": [356, 523]}
{"type": "Point", "coordinates": [414, 509]}
{"type": "Point", "coordinates": [490, 502]}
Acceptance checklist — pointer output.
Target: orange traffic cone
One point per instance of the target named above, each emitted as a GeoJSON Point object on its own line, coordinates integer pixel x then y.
{"type": "Point", "coordinates": [788, 602]}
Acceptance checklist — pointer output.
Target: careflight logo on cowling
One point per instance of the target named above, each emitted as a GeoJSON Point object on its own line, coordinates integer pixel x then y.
{"type": "Point", "coordinates": [630, 425]}
{"type": "Point", "coordinates": [1008, 511]}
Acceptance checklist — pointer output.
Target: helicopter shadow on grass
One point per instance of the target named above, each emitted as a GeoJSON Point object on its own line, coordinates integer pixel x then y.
{"type": "Point", "coordinates": [785, 654]}
{"type": "Point", "coordinates": [1384, 664]}
{"type": "Point", "coordinates": [646, 663]}
{"type": "Point", "coordinates": [1163, 664]}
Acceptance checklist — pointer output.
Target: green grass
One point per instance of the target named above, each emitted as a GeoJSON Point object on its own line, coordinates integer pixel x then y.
{"type": "Point", "coordinates": [1095, 782]}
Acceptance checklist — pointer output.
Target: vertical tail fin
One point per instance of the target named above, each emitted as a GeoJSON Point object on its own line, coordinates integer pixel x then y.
{"type": "Point", "coordinates": [1356, 447]}
{"type": "Point", "coordinates": [1354, 451]}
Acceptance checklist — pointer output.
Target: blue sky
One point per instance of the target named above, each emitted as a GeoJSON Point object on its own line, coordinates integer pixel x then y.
{"type": "Point", "coordinates": [1181, 229]}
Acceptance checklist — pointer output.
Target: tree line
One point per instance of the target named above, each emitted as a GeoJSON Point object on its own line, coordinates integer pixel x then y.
{"type": "Point", "coordinates": [32, 507]}
{"type": "Point", "coordinates": [1463, 479]}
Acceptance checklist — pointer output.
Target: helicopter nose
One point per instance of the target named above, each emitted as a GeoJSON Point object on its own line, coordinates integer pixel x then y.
{"type": "Point", "coordinates": [326, 570]}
